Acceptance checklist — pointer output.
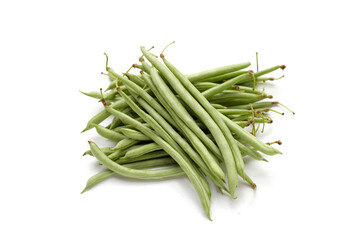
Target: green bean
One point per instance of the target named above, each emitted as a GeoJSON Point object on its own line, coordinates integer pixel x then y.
{"type": "Point", "coordinates": [180, 110]}
{"type": "Point", "coordinates": [133, 134]}
{"type": "Point", "coordinates": [242, 117]}
{"type": "Point", "coordinates": [117, 122]}
{"type": "Point", "coordinates": [221, 77]}
{"type": "Point", "coordinates": [96, 94]}
{"type": "Point", "coordinates": [221, 134]}
{"type": "Point", "coordinates": [152, 155]}
{"type": "Point", "coordinates": [118, 129]}
{"type": "Point", "coordinates": [104, 174]}
{"type": "Point", "coordinates": [132, 173]}
{"type": "Point", "coordinates": [145, 65]}
{"type": "Point", "coordinates": [125, 143]}
{"type": "Point", "coordinates": [236, 80]}
{"type": "Point", "coordinates": [237, 111]}
{"type": "Point", "coordinates": [198, 145]}
{"type": "Point", "coordinates": [147, 148]}
{"type": "Point", "coordinates": [101, 116]}
{"type": "Point", "coordinates": [187, 168]}
{"type": "Point", "coordinates": [255, 105]}
{"type": "Point", "coordinates": [215, 71]}
{"type": "Point", "coordinates": [106, 150]}
{"type": "Point", "coordinates": [250, 152]}
{"type": "Point", "coordinates": [246, 137]}
{"type": "Point", "coordinates": [230, 98]}
{"type": "Point", "coordinates": [109, 134]}
{"type": "Point", "coordinates": [138, 90]}
{"type": "Point", "coordinates": [205, 162]}
{"type": "Point", "coordinates": [165, 136]}
{"type": "Point", "coordinates": [242, 123]}
{"type": "Point", "coordinates": [139, 66]}
{"type": "Point", "coordinates": [218, 106]}
{"type": "Point", "coordinates": [135, 79]}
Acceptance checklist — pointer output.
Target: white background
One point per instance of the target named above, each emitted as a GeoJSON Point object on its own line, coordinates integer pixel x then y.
{"type": "Point", "coordinates": [50, 51]}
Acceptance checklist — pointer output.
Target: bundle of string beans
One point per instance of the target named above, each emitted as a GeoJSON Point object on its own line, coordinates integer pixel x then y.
{"type": "Point", "coordinates": [166, 124]}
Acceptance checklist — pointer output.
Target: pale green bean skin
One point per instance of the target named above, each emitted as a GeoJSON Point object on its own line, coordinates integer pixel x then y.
{"type": "Point", "coordinates": [136, 79]}
{"type": "Point", "coordinates": [236, 80]}
{"type": "Point", "coordinates": [97, 95]}
{"type": "Point", "coordinates": [125, 143]}
{"type": "Point", "coordinates": [255, 105]}
{"type": "Point", "coordinates": [195, 141]}
{"type": "Point", "coordinates": [109, 134]}
{"type": "Point", "coordinates": [246, 137]}
{"type": "Point", "coordinates": [106, 150]}
{"type": "Point", "coordinates": [250, 152]}
{"type": "Point", "coordinates": [221, 77]}
{"type": "Point", "coordinates": [173, 76]}
{"type": "Point", "coordinates": [218, 106]}
{"type": "Point", "coordinates": [181, 112]}
{"type": "Point", "coordinates": [165, 136]}
{"type": "Point", "coordinates": [101, 116]}
{"type": "Point", "coordinates": [152, 155]}
{"type": "Point", "coordinates": [239, 163]}
{"type": "Point", "coordinates": [147, 148]}
{"type": "Point", "coordinates": [236, 111]}
{"type": "Point", "coordinates": [206, 161]}
{"type": "Point", "coordinates": [187, 168]}
{"type": "Point", "coordinates": [216, 71]}
{"type": "Point", "coordinates": [104, 174]}
{"type": "Point", "coordinates": [138, 90]}
{"type": "Point", "coordinates": [132, 173]}
{"type": "Point", "coordinates": [133, 134]}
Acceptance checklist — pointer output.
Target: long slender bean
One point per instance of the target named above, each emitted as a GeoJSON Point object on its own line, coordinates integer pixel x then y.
{"type": "Point", "coordinates": [109, 134]}
{"type": "Point", "coordinates": [249, 139]}
{"type": "Point", "coordinates": [129, 172]}
{"type": "Point", "coordinates": [236, 80]}
{"type": "Point", "coordinates": [133, 134]}
{"type": "Point", "coordinates": [215, 71]}
{"type": "Point", "coordinates": [194, 140]}
{"type": "Point", "coordinates": [181, 111]}
{"type": "Point", "coordinates": [125, 143]}
{"type": "Point", "coordinates": [165, 136]}
{"type": "Point", "coordinates": [224, 145]}
{"type": "Point", "coordinates": [152, 155]}
{"type": "Point", "coordinates": [104, 174]}
{"type": "Point", "coordinates": [147, 148]}
{"type": "Point", "coordinates": [188, 168]}
{"type": "Point", "coordinates": [221, 77]}
{"type": "Point", "coordinates": [205, 158]}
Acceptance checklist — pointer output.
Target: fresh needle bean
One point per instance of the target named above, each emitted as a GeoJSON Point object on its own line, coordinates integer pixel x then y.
{"type": "Point", "coordinates": [147, 148]}
{"type": "Point", "coordinates": [187, 167]}
{"type": "Point", "coordinates": [104, 174]}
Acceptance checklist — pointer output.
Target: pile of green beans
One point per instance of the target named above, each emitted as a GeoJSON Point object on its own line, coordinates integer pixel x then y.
{"type": "Point", "coordinates": [166, 124]}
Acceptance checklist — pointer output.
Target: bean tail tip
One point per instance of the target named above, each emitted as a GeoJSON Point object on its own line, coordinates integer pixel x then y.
{"type": "Point", "coordinates": [253, 185]}
{"type": "Point", "coordinates": [282, 67]}
{"type": "Point", "coordinates": [83, 190]}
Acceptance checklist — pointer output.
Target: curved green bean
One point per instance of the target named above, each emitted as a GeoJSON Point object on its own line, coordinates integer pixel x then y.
{"type": "Point", "coordinates": [133, 134]}
{"type": "Point", "coordinates": [147, 148]}
{"type": "Point", "coordinates": [215, 71]}
{"type": "Point", "coordinates": [109, 134]}
{"type": "Point", "coordinates": [188, 168]}
{"type": "Point", "coordinates": [104, 174]}
{"type": "Point", "coordinates": [129, 172]}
